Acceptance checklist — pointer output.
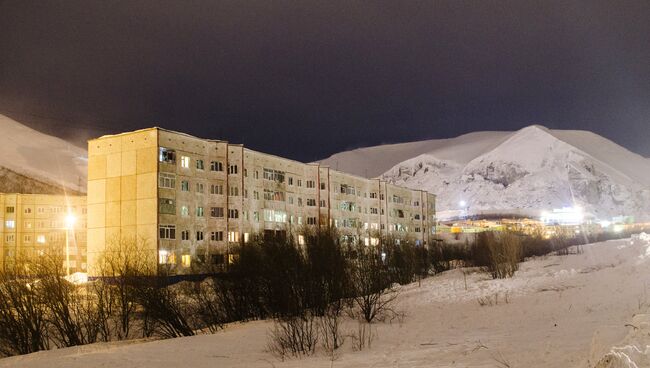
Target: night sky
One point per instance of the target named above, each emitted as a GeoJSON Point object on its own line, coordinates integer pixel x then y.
{"type": "Point", "coordinates": [307, 79]}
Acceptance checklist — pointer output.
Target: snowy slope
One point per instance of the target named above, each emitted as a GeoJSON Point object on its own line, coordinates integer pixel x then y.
{"type": "Point", "coordinates": [557, 311]}
{"type": "Point", "coordinates": [527, 171]}
{"type": "Point", "coordinates": [27, 153]}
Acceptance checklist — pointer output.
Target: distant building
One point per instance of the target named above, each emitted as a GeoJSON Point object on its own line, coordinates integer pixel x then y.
{"type": "Point", "coordinates": [32, 224]}
{"type": "Point", "coordinates": [192, 199]}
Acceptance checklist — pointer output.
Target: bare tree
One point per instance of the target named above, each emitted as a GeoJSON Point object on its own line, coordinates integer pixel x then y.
{"type": "Point", "coordinates": [374, 294]}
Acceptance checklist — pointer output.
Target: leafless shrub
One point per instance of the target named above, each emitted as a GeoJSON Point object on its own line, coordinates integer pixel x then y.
{"type": "Point", "coordinates": [206, 312]}
{"type": "Point", "coordinates": [164, 309]}
{"type": "Point", "coordinates": [330, 328]}
{"type": "Point", "coordinates": [22, 314]}
{"type": "Point", "coordinates": [503, 251]}
{"type": "Point", "coordinates": [374, 293]}
{"type": "Point", "coordinates": [363, 337]}
{"type": "Point", "coordinates": [293, 336]}
{"type": "Point", "coordinates": [491, 300]}
{"type": "Point", "coordinates": [123, 264]}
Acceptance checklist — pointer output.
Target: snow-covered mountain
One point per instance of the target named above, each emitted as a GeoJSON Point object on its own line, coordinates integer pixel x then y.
{"type": "Point", "coordinates": [527, 171]}
{"type": "Point", "coordinates": [33, 162]}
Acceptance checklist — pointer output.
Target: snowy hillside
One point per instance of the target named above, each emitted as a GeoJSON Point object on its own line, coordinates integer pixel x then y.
{"type": "Point", "coordinates": [33, 162]}
{"type": "Point", "coordinates": [527, 171]}
{"type": "Point", "coordinates": [557, 311]}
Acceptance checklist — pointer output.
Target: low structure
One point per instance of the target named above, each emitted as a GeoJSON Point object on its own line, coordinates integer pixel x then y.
{"type": "Point", "coordinates": [32, 224]}
{"type": "Point", "coordinates": [187, 199]}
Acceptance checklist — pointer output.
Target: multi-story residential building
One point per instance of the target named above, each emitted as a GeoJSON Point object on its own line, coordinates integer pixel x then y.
{"type": "Point", "coordinates": [32, 224]}
{"type": "Point", "coordinates": [186, 199]}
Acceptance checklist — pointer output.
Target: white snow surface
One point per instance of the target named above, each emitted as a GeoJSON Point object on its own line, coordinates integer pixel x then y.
{"type": "Point", "coordinates": [580, 310]}
{"type": "Point", "coordinates": [41, 156]}
{"type": "Point", "coordinates": [527, 171]}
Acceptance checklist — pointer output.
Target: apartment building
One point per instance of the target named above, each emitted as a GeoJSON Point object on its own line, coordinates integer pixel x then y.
{"type": "Point", "coordinates": [187, 199]}
{"type": "Point", "coordinates": [32, 224]}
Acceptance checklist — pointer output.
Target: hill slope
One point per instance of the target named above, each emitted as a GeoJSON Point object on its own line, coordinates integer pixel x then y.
{"type": "Point", "coordinates": [33, 162]}
{"type": "Point", "coordinates": [527, 171]}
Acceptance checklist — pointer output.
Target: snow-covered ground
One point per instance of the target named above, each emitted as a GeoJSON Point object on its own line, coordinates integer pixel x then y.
{"type": "Point", "coordinates": [558, 311]}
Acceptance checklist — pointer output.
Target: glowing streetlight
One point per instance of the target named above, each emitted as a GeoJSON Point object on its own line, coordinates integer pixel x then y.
{"type": "Point", "coordinates": [70, 220]}
{"type": "Point", "coordinates": [462, 204]}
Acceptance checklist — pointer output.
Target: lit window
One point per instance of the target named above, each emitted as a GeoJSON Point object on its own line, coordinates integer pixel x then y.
{"type": "Point", "coordinates": [185, 211]}
{"type": "Point", "coordinates": [10, 224]}
{"type": "Point", "coordinates": [233, 236]}
{"type": "Point", "coordinates": [246, 237]}
{"type": "Point", "coordinates": [186, 260]}
{"type": "Point", "coordinates": [301, 240]}
{"type": "Point", "coordinates": [199, 211]}
{"type": "Point", "coordinates": [185, 162]}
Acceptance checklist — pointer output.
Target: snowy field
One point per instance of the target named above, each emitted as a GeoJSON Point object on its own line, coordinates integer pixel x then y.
{"type": "Point", "coordinates": [558, 311]}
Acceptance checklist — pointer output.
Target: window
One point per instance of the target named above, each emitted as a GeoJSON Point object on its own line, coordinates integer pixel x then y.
{"type": "Point", "coordinates": [166, 180]}
{"type": "Point", "coordinates": [290, 181]}
{"type": "Point", "coordinates": [167, 232]}
{"type": "Point", "coordinates": [165, 257]}
{"type": "Point", "coordinates": [323, 186]}
{"type": "Point", "coordinates": [185, 186]}
{"type": "Point", "coordinates": [185, 235]}
{"type": "Point", "coordinates": [10, 224]}
{"type": "Point", "coordinates": [40, 239]}
{"type": "Point", "coordinates": [232, 213]}
{"type": "Point", "coordinates": [216, 166]}
{"type": "Point", "coordinates": [417, 216]}
{"type": "Point", "coordinates": [416, 203]}
{"type": "Point", "coordinates": [216, 189]}
{"type": "Point", "coordinates": [186, 260]}
{"type": "Point", "coordinates": [301, 240]}
{"type": "Point", "coordinates": [28, 210]}
{"type": "Point", "coordinates": [28, 224]}
{"type": "Point", "coordinates": [199, 236]}
{"type": "Point", "coordinates": [275, 175]}
{"type": "Point", "coordinates": [233, 191]}
{"type": "Point", "coordinates": [232, 169]}
{"type": "Point", "coordinates": [233, 236]}
{"type": "Point", "coordinates": [323, 203]}
{"type": "Point", "coordinates": [311, 184]}
{"type": "Point", "coordinates": [417, 229]}
{"type": "Point", "coordinates": [199, 165]}
{"type": "Point", "coordinates": [199, 211]}
{"type": "Point", "coordinates": [256, 216]}
{"type": "Point", "coordinates": [273, 195]}
{"type": "Point", "coordinates": [27, 239]}
{"type": "Point", "coordinates": [185, 162]}
{"type": "Point", "coordinates": [299, 202]}
{"type": "Point", "coordinates": [216, 212]}
{"type": "Point", "coordinates": [246, 237]}
{"type": "Point", "coordinates": [274, 215]}
{"type": "Point", "coordinates": [10, 238]}
{"type": "Point", "coordinates": [199, 187]}
{"type": "Point", "coordinates": [256, 195]}
{"type": "Point", "coordinates": [374, 211]}
{"type": "Point", "coordinates": [166, 155]}
{"type": "Point", "coordinates": [10, 209]}
{"type": "Point", "coordinates": [185, 211]}
{"type": "Point", "coordinates": [373, 195]}
{"type": "Point", "coordinates": [311, 202]}
{"type": "Point", "coordinates": [311, 220]}
{"type": "Point", "coordinates": [299, 182]}
{"type": "Point", "coordinates": [347, 189]}
{"type": "Point", "coordinates": [167, 206]}
{"type": "Point", "coordinates": [216, 236]}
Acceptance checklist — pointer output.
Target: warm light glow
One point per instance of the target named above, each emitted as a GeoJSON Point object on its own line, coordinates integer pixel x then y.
{"type": "Point", "coordinates": [70, 220]}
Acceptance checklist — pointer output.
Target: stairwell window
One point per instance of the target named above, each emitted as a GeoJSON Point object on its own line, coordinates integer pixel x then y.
{"type": "Point", "coordinates": [185, 162]}
{"type": "Point", "coordinates": [233, 169]}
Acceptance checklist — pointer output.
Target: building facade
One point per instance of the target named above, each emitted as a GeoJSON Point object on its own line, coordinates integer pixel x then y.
{"type": "Point", "coordinates": [188, 199]}
{"type": "Point", "coordinates": [33, 224]}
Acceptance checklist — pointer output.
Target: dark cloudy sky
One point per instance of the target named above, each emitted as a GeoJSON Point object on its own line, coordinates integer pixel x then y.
{"type": "Point", "coordinates": [306, 79]}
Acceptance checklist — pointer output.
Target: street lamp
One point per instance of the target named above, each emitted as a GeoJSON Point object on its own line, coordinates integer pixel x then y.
{"type": "Point", "coordinates": [70, 220]}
